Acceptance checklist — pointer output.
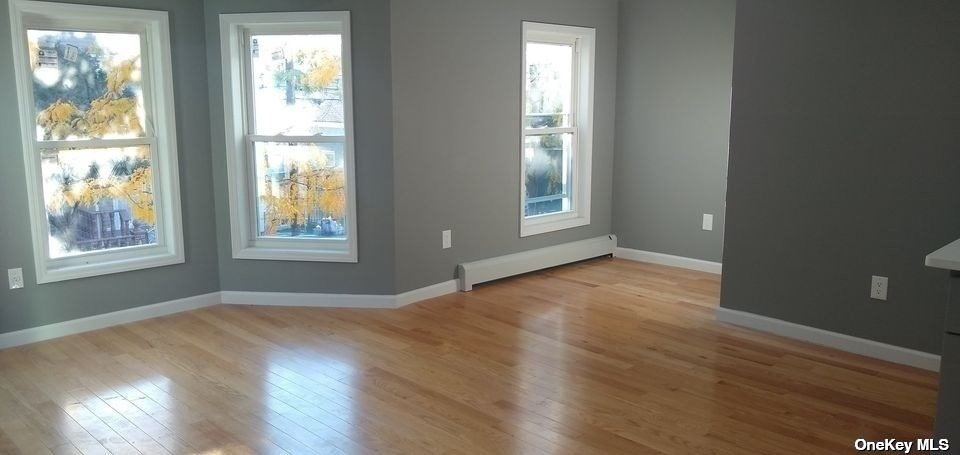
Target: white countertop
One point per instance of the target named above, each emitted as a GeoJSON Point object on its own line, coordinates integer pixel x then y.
{"type": "Point", "coordinates": [947, 257]}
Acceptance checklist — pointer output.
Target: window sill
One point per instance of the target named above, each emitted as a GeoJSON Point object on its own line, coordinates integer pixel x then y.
{"type": "Point", "coordinates": [551, 223]}
{"type": "Point", "coordinates": [52, 274]}
{"type": "Point", "coordinates": [296, 254]}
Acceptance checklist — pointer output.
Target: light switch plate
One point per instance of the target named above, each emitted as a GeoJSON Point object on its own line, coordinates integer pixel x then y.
{"type": "Point", "coordinates": [15, 277]}
{"type": "Point", "coordinates": [707, 222]}
{"type": "Point", "coordinates": [447, 239]}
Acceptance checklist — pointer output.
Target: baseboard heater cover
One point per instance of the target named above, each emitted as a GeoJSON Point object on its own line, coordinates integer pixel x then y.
{"type": "Point", "coordinates": [476, 272]}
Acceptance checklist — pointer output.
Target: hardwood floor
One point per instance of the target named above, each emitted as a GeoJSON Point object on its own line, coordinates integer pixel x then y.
{"type": "Point", "coordinates": [606, 356]}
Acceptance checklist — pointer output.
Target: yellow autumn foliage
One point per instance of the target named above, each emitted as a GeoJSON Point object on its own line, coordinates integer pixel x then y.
{"type": "Point", "coordinates": [322, 71]}
{"type": "Point", "coordinates": [120, 75]}
{"type": "Point", "coordinates": [111, 113]}
{"type": "Point", "coordinates": [308, 186]}
{"type": "Point", "coordinates": [136, 189]}
{"type": "Point", "coordinates": [59, 120]}
{"type": "Point", "coordinates": [86, 193]}
{"type": "Point", "coordinates": [117, 115]}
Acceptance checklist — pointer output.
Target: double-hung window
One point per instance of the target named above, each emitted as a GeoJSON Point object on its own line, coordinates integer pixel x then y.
{"type": "Point", "coordinates": [97, 123]}
{"type": "Point", "coordinates": [557, 122]}
{"type": "Point", "coordinates": [289, 135]}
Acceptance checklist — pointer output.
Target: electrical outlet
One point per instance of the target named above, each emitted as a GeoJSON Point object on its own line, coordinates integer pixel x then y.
{"type": "Point", "coordinates": [15, 276]}
{"type": "Point", "coordinates": [447, 239]}
{"type": "Point", "coordinates": [707, 222]}
{"type": "Point", "coordinates": [878, 287]}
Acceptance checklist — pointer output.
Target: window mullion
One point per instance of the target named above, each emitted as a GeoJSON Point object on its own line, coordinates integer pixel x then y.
{"type": "Point", "coordinates": [95, 143]}
{"type": "Point", "coordinates": [297, 139]}
{"type": "Point", "coordinates": [549, 131]}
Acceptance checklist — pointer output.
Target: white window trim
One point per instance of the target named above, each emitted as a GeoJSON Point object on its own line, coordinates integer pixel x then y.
{"type": "Point", "coordinates": [244, 240]}
{"type": "Point", "coordinates": [158, 87]}
{"type": "Point", "coordinates": [584, 61]}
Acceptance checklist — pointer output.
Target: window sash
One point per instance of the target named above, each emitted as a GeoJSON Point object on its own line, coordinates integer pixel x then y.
{"type": "Point", "coordinates": [571, 176]}
{"type": "Point", "coordinates": [250, 31]}
{"type": "Point", "coordinates": [247, 34]}
{"type": "Point", "coordinates": [568, 186]}
{"type": "Point", "coordinates": [112, 254]}
{"type": "Point", "coordinates": [146, 71]}
{"type": "Point", "coordinates": [279, 242]}
{"type": "Point", "coordinates": [149, 139]}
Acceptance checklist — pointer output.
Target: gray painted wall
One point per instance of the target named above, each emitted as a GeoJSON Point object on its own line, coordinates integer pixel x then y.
{"type": "Point", "coordinates": [54, 302]}
{"type": "Point", "coordinates": [673, 124]}
{"type": "Point", "coordinates": [457, 84]}
{"type": "Point", "coordinates": [844, 163]}
{"type": "Point", "coordinates": [373, 141]}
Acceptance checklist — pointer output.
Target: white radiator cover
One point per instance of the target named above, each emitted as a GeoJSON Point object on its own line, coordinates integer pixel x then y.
{"type": "Point", "coordinates": [471, 273]}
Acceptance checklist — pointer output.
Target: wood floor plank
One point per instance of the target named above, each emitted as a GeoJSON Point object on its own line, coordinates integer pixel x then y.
{"type": "Point", "coordinates": [598, 357]}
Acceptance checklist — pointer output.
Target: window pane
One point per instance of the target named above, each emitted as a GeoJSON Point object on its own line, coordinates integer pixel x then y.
{"type": "Point", "coordinates": [549, 85]}
{"type": "Point", "coordinates": [86, 85]}
{"type": "Point", "coordinates": [98, 199]}
{"type": "Point", "coordinates": [548, 167]}
{"type": "Point", "coordinates": [301, 190]}
{"type": "Point", "coordinates": [297, 85]}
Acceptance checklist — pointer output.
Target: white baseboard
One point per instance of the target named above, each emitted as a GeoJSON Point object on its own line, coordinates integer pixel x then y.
{"type": "Point", "coordinates": [101, 321]}
{"type": "Point", "coordinates": [495, 268]}
{"type": "Point", "coordinates": [668, 259]}
{"type": "Point", "coordinates": [429, 292]}
{"type": "Point", "coordinates": [306, 299]}
{"type": "Point", "coordinates": [337, 300]}
{"type": "Point", "coordinates": [869, 348]}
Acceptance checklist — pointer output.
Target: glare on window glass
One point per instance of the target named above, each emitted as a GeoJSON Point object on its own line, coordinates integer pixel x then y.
{"type": "Point", "coordinates": [86, 85]}
{"type": "Point", "coordinates": [98, 199]}
{"type": "Point", "coordinates": [297, 85]}
{"type": "Point", "coordinates": [547, 160]}
{"type": "Point", "coordinates": [301, 190]}
{"type": "Point", "coordinates": [548, 85]}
